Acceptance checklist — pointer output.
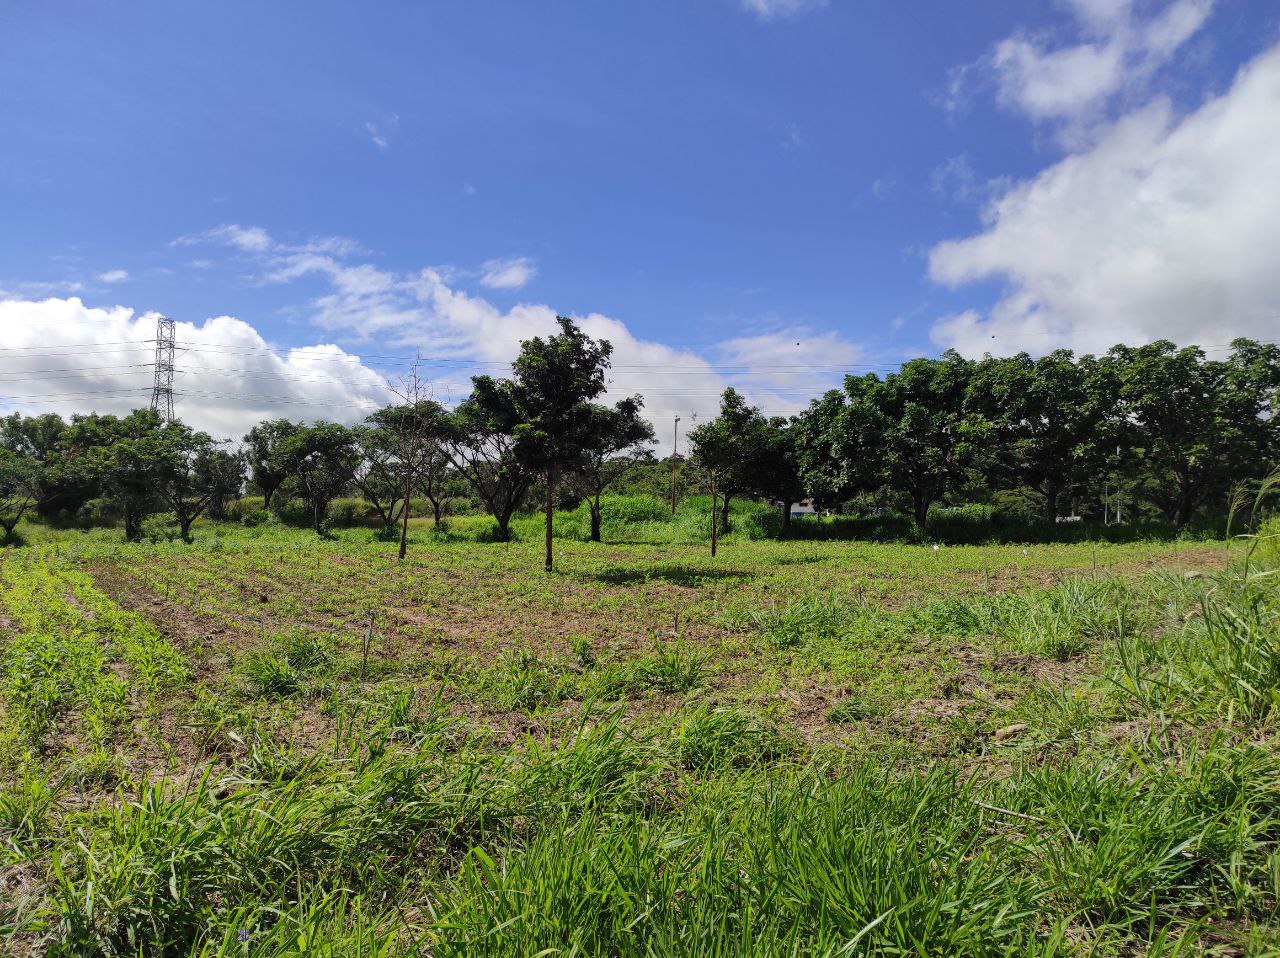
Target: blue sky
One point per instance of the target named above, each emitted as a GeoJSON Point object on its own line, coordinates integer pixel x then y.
{"type": "Point", "coordinates": [766, 192]}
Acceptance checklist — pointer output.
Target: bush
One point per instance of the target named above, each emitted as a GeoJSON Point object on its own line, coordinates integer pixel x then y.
{"type": "Point", "coordinates": [714, 739]}
{"type": "Point", "coordinates": [345, 513]}
{"type": "Point", "coordinates": [237, 509]}
{"type": "Point", "coordinates": [292, 512]}
{"type": "Point", "coordinates": [161, 527]}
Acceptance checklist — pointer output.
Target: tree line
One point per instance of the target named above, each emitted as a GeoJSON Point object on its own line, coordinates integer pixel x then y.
{"type": "Point", "coordinates": [1174, 430]}
{"type": "Point", "coordinates": [540, 427]}
{"type": "Point", "coordinates": [1177, 431]}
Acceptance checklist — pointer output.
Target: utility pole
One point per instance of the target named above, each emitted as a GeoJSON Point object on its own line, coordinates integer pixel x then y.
{"type": "Point", "coordinates": [162, 390]}
{"type": "Point", "coordinates": [675, 460]}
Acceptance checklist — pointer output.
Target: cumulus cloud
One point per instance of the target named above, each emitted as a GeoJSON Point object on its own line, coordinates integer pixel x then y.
{"type": "Point", "coordinates": [460, 333]}
{"type": "Point", "coordinates": [770, 369]}
{"type": "Point", "coordinates": [511, 273]}
{"type": "Point", "coordinates": [1115, 50]}
{"type": "Point", "coordinates": [63, 356]}
{"type": "Point", "coordinates": [114, 276]}
{"type": "Point", "coordinates": [778, 9]}
{"type": "Point", "coordinates": [1166, 227]}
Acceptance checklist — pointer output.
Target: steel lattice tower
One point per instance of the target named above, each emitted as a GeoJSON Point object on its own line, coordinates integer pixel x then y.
{"type": "Point", "coordinates": [162, 391]}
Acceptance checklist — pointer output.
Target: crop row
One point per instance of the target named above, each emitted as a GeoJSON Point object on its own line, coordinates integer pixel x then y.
{"type": "Point", "coordinates": [74, 651]}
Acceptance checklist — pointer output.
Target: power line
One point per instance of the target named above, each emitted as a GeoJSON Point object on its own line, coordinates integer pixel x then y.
{"type": "Point", "coordinates": [112, 342]}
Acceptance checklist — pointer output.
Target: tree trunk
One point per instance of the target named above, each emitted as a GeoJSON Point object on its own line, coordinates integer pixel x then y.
{"type": "Point", "coordinates": [551, 506]}
{"type": "Point", "coordinates": [404, 520]}
{"type": "Point", "coordinates": [184, 526]}
{"type": "Point", "coordinates": [504, 527]}
{"type": "Point", "coordinates": [715, 522]}
{"type": "Point", "coordinates": [317, 516]}
{"type": "Point", "coordinates": [267, 495]}
{"type": "Point", "coordinates": [1186, 508]}
{"type": "Point", "coordinates": [595, 519]}
{"type": "Point", "coordinates": [1051, 492]}
{"type": "Point", "coordinates": [132, 525]}
{"type": "Point", "coordinates": [436, 510]}
{"type": "Point", "coordinates": [724, 514]}
{"type": "Point", "coordinates": [786, 517]}
{"type": "Point", "coordinates": [921, 502]}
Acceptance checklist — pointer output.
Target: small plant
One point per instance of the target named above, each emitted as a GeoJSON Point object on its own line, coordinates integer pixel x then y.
{"type": "Point", "coordinates": [709, 739]}
{"type": "Point", "coordinates": [852, 708]}
{"type": "Point", "coordinates": [272, 676]}
{"type": "Point", "coordinates": [672, 667]}
{"type": "Point", "coordinates": [98, 768]}
{"type": "Point", "coordinates": [399, 717]}
{"type": "Point", "coordinates": [801, 620]}
{"type": "Point", "coordinates": [525, 684]}
{"type": "Point", "coordinates": [25, 809]}
{"type": "Point", "coordinates": [584, 651]}
{"type": "Point", "coordinates": [304, 650]}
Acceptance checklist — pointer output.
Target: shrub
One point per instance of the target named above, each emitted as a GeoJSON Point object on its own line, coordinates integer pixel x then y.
{"type": "Point", "coordinates": [237, 509]}
{"type": "Point", "coordinates": [161, 527]}
{"type": "Point", "coordinates": [344, 513]}
{"type": "Point", "coordinates": [712, 739]}
{"type": "Point", "coordinates": [790, 625]}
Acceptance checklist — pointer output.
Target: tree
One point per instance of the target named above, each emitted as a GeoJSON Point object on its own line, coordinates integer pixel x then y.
{"type": "Point", "coordinates": [189, 471]}
{"type": "Point", "coordinates": [19, 488]}
{"type": "Point", "coordinates": [410, 438]}
{"type": "Point", "coordinates": [621, 441]}
{"type": "Point", "coordinates": [717, 455]}
{"type": "Point", "coordinates": [480, 446]}
{"type": "Point", "coordinates": [1052, 420]}
{"type": "Point", "coordinates": [736, 432]}
{"type": "Point", "coordinates": [63, 486]}
{"type": "Point", "coordinates": [826, 473]}
{"type": "Point", "coordinates": [437, 482]}
{"type": "Point", "coordinates": [764, 459]}
{"type": "Point", "coordinates": [322, 459]}
{"type": "Point", "coordinates": [1198, 426]}
{"type": "Point", "coordinates": [546, 406]}
{"type": "Point", "coordinates": [775, 465]}
{"type": "Point", "coordinates": [261, 448]}
{"type": "Point", "coordinates": [912, 429]}
{"type": "Point", "coordinates": [379, 474]}
{"type": "Point", "coordinates": [114, 452]}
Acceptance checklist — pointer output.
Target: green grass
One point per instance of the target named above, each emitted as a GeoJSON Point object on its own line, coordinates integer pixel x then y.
{"type": "Point", "coordinates": [268, 744]}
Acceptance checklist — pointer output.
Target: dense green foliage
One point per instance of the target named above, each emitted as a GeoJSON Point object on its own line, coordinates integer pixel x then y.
{"type": "Point", "coordinates": [950, 450]}
{"type": "Point", "coordinates": [1175, 430]}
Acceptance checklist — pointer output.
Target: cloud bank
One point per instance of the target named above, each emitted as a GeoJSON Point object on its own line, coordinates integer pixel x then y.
{"type": "Point", "coordinates": [1165, 227]}
{"type": "Point", "coordinates": [63, 356]}
{"type": "Point", "coordinates": [230, 376]}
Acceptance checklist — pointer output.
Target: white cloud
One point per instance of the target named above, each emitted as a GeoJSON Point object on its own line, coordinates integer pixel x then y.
{"type": "Point", "coordinates": [956, 180]}
{"type": "Point", "coordinates": [1115, 52]}
{"type": "Point", "coordinates": [1057, 84]}
{"type": "Point", "coordinates": [114, 276]}
{"type": "Point", "coordinates": [381, 131]}
{"type": "Point", "coordinates": [460, 334]}
{"type": "Point", "coordinates": [63, 356]}
{"type": "Point", "coordinates": [1165, 228]}
{"type": "Point", "coordinates": [508, 273]}
{"type": "Point", "coordinates": [250, 239]}
{"type": "Point", "coordinates": [778, 9]}
{"type": "Point", "coordinates": [882, 187]}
